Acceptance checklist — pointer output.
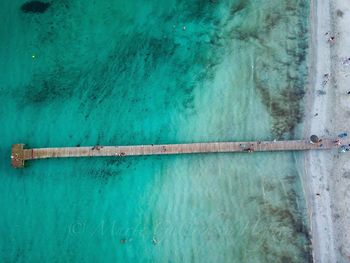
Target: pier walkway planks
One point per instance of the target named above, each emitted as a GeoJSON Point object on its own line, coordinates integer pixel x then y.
{"type": "Point", "coordinates": [20, 154]}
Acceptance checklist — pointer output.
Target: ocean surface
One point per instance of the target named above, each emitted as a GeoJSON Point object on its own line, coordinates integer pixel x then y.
{"type": "Point", "coordinates": [145, 72]}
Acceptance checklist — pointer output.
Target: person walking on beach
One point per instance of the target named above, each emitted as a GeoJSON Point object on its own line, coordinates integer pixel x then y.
{"type": "Point", "coordinates": [331, 39]}
{"type": "Point", "coordinates": [337, 142]}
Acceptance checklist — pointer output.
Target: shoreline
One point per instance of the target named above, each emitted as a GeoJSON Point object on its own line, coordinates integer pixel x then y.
{"type": "Point", "coordinates": [325, 116]}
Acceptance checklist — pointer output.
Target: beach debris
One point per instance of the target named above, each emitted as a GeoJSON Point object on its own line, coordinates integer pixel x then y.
{"type": "Point", "coordinates": [348, 92]}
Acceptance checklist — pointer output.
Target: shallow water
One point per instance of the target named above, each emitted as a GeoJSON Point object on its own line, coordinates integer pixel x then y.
{"type": "Point", "coordinates": [125, 72]}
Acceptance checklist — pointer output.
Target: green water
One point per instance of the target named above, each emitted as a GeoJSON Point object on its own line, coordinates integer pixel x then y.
{"type": "Point", "coordinates": [129, 72]}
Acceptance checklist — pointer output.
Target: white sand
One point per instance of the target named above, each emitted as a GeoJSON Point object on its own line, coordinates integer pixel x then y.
{"type": "Point", "coordinates": [327, 181]}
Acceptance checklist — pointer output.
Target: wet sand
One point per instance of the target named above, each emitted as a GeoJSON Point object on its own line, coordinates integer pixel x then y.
{"type": "Point", "coordinates": [327, 180]}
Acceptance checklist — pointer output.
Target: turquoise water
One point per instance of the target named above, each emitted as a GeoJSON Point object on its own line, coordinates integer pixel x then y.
{"type": "Point", "coordinates": [129, 72]}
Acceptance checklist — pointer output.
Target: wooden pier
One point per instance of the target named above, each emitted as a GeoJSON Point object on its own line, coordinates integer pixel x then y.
{"type": "Point", "coordinates": [20, 154]}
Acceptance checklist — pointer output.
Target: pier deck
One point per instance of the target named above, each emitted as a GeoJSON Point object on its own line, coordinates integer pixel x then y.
{"type": "Point", "coordinates": [20, 154]}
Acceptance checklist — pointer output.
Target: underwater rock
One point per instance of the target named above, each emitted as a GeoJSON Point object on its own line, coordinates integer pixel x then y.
{"type": "Point", "coordinates": [35, 7]}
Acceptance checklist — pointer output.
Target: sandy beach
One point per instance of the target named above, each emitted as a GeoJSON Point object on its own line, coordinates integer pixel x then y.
{"type": "Point", "coordinates": [327, 180]}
